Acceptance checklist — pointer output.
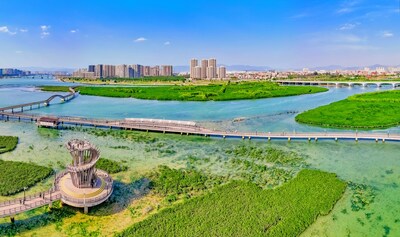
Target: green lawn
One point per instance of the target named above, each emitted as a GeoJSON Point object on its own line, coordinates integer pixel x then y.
{"type": "Point", "coordinates": [8, 143]}
{"type": "Point", "coordinates": [243, 209]}
{"type": "Point", "coordinates": [364, 111]}
{"type": "Point", "coordinates": [216, 92]}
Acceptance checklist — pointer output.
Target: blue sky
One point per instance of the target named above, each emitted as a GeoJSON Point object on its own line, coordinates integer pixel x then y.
{"type": "Point", "coordinates": [280, 34]}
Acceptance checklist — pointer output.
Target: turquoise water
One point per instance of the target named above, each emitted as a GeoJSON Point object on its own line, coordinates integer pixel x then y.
{"type": "Point", "coordinates": [372, 164]}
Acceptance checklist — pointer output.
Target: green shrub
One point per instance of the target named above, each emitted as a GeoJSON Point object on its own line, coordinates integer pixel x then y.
{"type": "Point", "coordinates": [17, 175]}
{"type": "Point", "coordinates": [110, 166]}
{"type": "Point", "coordinates": [8, 143]}
{"type": "Point", "coordinates": [243, 209]}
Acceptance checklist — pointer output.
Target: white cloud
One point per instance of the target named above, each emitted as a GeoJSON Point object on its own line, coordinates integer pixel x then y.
{"type": "Point", "coordinates": [348, 26]}
{"type": "Point", "coordinates": [74, 31]}
{"type": "Point", "coordinates": [167, 43]}
{"type": "Point", "coordinates": [4, 29]}
{"type": "Point", "coordinates": [18, 52]}
{"type": "Point", "coordinates": [23, 30]}
{"type": "Point", "coordinates": [44, 28]}
{"type": "Point", "coordinates": [45, 31]}
{"type": "Point", "coordinates": [387, 34]}
{"type": "Point", "coordinates": [140, 39]}
{"type": "Point", "coordinates": [348, 6]}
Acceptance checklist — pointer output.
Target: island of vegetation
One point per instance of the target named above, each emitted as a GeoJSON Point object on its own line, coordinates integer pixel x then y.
{"type": "Point", "coordinates": [242, 208]}
{"type": "Point", "coordinates": [8, 143]}
{"type": "Point", "coordinates": [15, 176]}
{"type": "Point", "coordinates": [212, 92]}
{"type": "Point", "coordinates": [363, 111]}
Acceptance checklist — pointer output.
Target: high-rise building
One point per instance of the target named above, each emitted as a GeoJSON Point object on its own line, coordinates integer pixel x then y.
{"type": "Point", "coordinates": [121, 71]}
{"type": "Point", "coordinates": [211, 72]}
{"type": "Point", "coordinates": [99, 71]}
{"type": "Point", "coordinates": [197, 72]}
{"type": "Point", "coordinates": [222, 72]}
{"type": "Point", "coordinates": [193, 64]}
{"type": "Point", "coordinates": [146, 71]}
{"type": "Point", "coordinates": [212, 62]}
{"type": "Point", "coordinates": [91, 68]}
{"type": "Point", "coordinates": [204, 65]}
{"type": "Point", "coordinates": [166, 70]}
{"type": "Point", "coordinates": [108, 71]}
{"type": "Point", "coordinates": [155, 71]}
{"type": "Point", "coordinates": [137, 70]}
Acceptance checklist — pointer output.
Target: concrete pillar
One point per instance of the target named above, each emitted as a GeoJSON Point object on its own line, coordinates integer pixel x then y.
{"type": "Point", "coordinates": [50, 205]}
{"type": "Point", "coordinates": [86, 210]}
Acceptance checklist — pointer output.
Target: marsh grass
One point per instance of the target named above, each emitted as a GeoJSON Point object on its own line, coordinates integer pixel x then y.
{"type": "Point", "coordinates": [212, 92]}
{"type": "Point", "coordinates": [364, 111]}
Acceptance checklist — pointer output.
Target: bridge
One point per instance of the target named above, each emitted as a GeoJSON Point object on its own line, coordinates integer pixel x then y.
{"type": "Point", "coordinates": [43, 103]}
{"type": "Point", "coordinates": [392, 84]}
{"type": "Point", "coordinates": [13, 207]}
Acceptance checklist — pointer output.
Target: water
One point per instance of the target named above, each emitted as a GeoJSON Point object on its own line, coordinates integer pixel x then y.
{"type": "Point", "coordinates": [376, 165]}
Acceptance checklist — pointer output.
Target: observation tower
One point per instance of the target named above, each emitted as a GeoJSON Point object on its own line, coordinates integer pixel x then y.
{"type": "Point", "coordinates": [81, 184]}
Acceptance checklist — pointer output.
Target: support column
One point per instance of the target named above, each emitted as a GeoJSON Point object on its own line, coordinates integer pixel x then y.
{"type": "Point", "coordinates": [86, 210]}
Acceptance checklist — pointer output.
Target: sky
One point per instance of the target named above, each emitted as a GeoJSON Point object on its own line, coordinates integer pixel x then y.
{"type": "Point", "coordinates": [281, 34]}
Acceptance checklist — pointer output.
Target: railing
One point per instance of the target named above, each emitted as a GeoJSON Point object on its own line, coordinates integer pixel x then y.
{"type": "Point", "coordinates": [30, 206]}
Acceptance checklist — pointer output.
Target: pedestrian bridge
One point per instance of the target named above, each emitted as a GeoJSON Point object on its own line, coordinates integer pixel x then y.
{"type": "Point", "coordinates": [392, 84]}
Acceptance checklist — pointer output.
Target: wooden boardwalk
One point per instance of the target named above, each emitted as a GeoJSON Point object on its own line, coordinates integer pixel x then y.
{"type": "Point", "coordinates": [10, 208]}
{"type": "Point", "coordinates": [19, 205]}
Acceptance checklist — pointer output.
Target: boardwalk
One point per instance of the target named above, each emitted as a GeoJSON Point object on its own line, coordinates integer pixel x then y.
{"type": "Point", "coordinates": [19, 205]}
{"type": "Point", "coordinates": [10, 208]}
{"type": "Point", "coordinates": [392, 84]}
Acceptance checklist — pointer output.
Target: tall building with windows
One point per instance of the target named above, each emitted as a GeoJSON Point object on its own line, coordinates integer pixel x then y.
{"type": "Point", "coordinates": [146, 71]}
{"type": "Point", "coordinates": [166, 70]}
{"type": "Point", "coordinates": [108, 71]}
{"type": "Point", "coordinates": [155, 71]}
{"type": "Point", "coordinates": [197, 72]}
{"type": "Point", "coordinates": [137, 70]}
{"type": "Point", "coordinates": [193, 64]}
{"type": "Point", "coordinates": [221, 72]}
{"type": "Point", "coordinates": [122, 71]}
{"type": "Point", "coordinates": [204, 65]}
{"type": "Point", "coordinates": [99, 71]}
{"type": "Point", "coordinates": [91, 68]}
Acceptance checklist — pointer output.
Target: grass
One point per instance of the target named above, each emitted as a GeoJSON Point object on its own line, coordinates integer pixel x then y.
{"type": "Point", "coordinates": [243, 209]}
{"type": "Point", "coordinates": [131, 80]}
{"type": "Point", "coordinates": [8, 143]}
{"type": "Point", "coordinates": [364, 111]}
{"type": "Point", "coordinates": [110, 166]}
{"type": "Point", "coordinates": [213, 92]}
{"type": "Point", "coordinates": [17, 175]}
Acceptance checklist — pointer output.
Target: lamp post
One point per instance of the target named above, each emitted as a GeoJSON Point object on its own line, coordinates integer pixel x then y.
{"type": "Point", "coordinates": [25, 188]}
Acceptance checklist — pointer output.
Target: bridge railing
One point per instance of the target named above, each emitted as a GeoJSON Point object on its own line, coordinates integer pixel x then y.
{"type": "Point", "coordinates": [30, 206]}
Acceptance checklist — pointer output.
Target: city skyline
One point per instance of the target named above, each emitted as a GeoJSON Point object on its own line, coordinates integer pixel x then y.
{"type": "Point", "coordinates": [281, 34]}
